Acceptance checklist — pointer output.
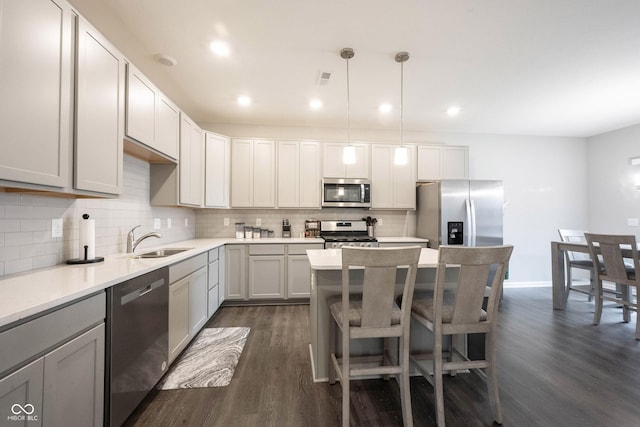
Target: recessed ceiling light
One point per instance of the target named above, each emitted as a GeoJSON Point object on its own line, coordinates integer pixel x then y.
{"type": "Point", "coordinates": [165, 60]}
{"type": "Point", "coordinates": [220, 48]}
{"type": "Point", "coordinates": [315, 104]}
{"type": "Point", "coordinates": [244, 100]}
{"type": "Point", "coordinates": [385, 107]}
{"type": "Point", "coordinates": [453, 110]}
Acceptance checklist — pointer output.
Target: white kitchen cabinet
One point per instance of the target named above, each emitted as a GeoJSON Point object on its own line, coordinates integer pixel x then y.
{"type": "Point", "coordinates": [141, 107]}
{"type": "Point", "coordinates": [167, 127]}
{"type": "Point", "coordinates": [252, 173]}
{"type": "Point", "coordinates": [221, 273]}
{"type": "Point", "coordinates": [99, 122]}
{"type": "Point", "coordinates": [392, 186]}
{"type": "Point", "coordinates": [266, 271]}
{"type": "Point", "coordinates": [299, 177]}
{"type": "Point", "coordinates": [437, 162]}
{"type": "Point", "coordinates": [36, 87]}
{"type": "Point", "coordinates": [334, 166]}
{"type": "Point", "coordinates": [217, 170]}
{"type": "Point", "coordinates": [191, 166]}
{"type": "Point", "coordinates": [235, 272]}
{"type": "Point", "coordinates": [151, 118]}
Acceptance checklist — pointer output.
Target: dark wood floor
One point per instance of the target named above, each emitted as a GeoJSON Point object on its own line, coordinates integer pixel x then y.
{"type": "Point", "coordinates": [556, 369]}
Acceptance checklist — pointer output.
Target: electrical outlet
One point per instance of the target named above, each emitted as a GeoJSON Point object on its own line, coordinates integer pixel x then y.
{"type": "Point", "coordinates": [226, 222]}
{"type": "Point", "coordinates": [379, 223]}
{"type": "Point", "coordinates": [632, 222]}
{"type": "Point", "coordinates": [186, 222]}
{"type": "Point", "coordinates": [258, 222]}
{"type": "Point", "coordinates": [157, 224]}
{"type": "Point", "coordinates": [168, 222]}
{"type": "Point", "coordinates": [56, 227]}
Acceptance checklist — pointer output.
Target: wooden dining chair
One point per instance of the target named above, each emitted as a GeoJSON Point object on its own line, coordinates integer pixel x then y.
{"type": "Point", "coordinates": [577, 260]}
{"type": "Point", "coordinates": [618, 263]}
{"type": "Point", "coordinates": [459, 308]}
{"type": "Point", "coordinates": [373, 313]}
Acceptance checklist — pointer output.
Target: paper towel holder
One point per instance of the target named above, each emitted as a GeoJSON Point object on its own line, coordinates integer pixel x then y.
{"type": "Point", "coordinates": [85, 259]}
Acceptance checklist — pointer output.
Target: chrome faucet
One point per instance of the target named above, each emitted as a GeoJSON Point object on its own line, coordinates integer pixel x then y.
{"type": "Point", "coordinates": [132, 242]}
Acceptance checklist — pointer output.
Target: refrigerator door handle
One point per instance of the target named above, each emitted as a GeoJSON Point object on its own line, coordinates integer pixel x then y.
{"type": "Point", "coordinates": [472, 240]}
{"type": "Point", "coordinates": [469, 232]}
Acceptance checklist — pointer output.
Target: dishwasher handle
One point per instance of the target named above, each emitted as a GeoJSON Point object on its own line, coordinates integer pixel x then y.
{"type": "Point", "coordinates": [140, 292]}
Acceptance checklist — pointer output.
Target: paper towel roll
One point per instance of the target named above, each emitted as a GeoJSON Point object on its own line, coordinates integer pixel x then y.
{"type": "Point", "coordinates": [87, 238]}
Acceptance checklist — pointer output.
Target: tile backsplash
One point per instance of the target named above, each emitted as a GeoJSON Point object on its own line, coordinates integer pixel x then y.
{"type": "Point", "coordinates": [25, 223]}
{"type": "Point", "coordinates": [210, 223]}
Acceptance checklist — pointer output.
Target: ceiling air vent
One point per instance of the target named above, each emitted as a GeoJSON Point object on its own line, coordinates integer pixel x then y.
{"type": "Point", "coordinates": [323, 78]}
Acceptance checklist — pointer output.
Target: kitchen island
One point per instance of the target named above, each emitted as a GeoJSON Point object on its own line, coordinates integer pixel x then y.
{"type": "Point", "coordinates": [326, 281]}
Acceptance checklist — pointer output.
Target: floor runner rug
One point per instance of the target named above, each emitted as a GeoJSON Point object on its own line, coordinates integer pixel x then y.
{"type": "Point", "coordinates": [209, 361]}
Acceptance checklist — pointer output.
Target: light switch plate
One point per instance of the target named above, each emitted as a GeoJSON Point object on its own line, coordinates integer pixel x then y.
{"type": "Point", "coordinates": [632, 222]}
{"type": "Point", "coordinates": [186, 222]}
{"type": "Point", "coordinates": [168, 222]}
{"type": "Point", "coordinates": [157, 224]}
{"type": "Point", "coordinates": [56, 227]}
{"type": "Point", "coordinates": [226, 222]}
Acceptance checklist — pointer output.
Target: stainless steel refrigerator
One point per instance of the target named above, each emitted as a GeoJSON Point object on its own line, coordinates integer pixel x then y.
{"type": "Point", "coordinates": [460, 212]}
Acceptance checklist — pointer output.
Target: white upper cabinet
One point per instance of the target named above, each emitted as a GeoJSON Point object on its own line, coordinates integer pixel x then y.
{"type": "Point", "coordinates": [334, 166]}
{"type": "Point", "coordinates": [152, 119]}
{"type": "Point", "coordinates": [437, 162]}
{"type": "Point", "coordinates": [253, 173]}
{"type": "Point", "coordinates": [36, 53]}
{"type": "Point", "coordinates": [299, 175]}
{"type": "Point", "coordinates": [392, 186]}
{"type": "Point", "coordinates": [168, 127]}
{"type": "Point", "coordinates": [217, 170]}
{"type": "Point", "coordinates": [191, 166]}
{"type": "Point", "coordinates": [100, 113]}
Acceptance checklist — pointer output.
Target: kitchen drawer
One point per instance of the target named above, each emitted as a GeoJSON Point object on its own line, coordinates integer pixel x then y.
{"type": "Point", "coordinates": [213, 255]}
{"type": "Point", "coordinates": [43, 333]}
{"type": "Point", "coordinates": [184, 268]}
{"type": "Point", "coordinates": [266, 249]}
{"type": "Point", "coordinates": [301, 249]}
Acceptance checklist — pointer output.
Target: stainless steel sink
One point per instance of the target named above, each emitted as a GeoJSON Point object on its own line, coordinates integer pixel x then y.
{"type": "Point", "coordinates": [161, 253]}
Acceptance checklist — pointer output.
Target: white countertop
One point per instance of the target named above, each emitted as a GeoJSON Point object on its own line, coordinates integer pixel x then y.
{"type": "Point", "coordinates": [331, 259]}
{"type": "Point", "coordinates": [401, 240]}
{"type": "Point", "coordinates": [27, 294]}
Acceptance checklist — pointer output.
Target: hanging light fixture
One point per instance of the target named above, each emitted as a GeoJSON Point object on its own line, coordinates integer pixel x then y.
{"type": "Point", "coordinates": [401, 155]}
{"type": "Point", "coordinates": [349, 151]}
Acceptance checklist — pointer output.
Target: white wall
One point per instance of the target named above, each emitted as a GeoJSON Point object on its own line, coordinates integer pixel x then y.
{"type": "Point", "coordinates": [613, 197]}
{"type": "Point", "coordinates": [544, 178]}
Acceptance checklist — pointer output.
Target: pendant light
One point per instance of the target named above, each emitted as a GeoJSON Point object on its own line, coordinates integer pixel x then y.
{"type": "Point", "coordinates": [401, 154]}
{"type": "Point", "coordinates": [349, 151]}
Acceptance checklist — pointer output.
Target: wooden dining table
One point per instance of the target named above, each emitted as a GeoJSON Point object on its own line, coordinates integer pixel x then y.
{"type": "Point", "coordinates": [559, 282]}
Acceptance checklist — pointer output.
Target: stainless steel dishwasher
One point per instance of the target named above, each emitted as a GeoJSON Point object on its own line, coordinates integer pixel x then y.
{"type": "Point", "coordinates": [137, 341]}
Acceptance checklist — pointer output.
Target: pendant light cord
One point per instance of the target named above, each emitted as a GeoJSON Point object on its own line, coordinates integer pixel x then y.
{"type": "Point", "coordinates": [348, 107]}
{"type": "Point", "coordinates": [401, 103]}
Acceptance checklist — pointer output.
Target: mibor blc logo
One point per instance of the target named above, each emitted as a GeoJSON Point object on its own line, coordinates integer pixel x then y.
{"type": "Point", "coordinates": [22, 413]}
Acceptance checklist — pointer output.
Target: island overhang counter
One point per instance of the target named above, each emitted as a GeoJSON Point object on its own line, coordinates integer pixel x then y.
{"type": "Point", "coordinates": [326, 281]}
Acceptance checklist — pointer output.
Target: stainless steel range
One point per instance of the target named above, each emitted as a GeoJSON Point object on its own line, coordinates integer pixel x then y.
{"type": "Point", "coordinates": [337, 234]}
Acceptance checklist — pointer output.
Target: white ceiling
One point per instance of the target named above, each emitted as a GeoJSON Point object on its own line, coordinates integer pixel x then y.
{"type": "Point", "coordinates": [525, 67]}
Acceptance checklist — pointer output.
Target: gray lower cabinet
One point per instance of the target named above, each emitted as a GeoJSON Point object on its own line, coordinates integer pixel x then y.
{"type": "Point", "coordinates": [73, 382]}
{"type": "Point", "coordinates": [401, 244]}
{"type": "Point", "coordinates": [213, 280]}
{"type": "Point", "coordinates": [266, 271]}
{"type": "Point", "coordinates": [188, 292]}
{"type": "Point", "coordinates": [52, 367]}
{"type": "Point", "coordinates": [235, 272]}
{"type": "Point", "coordinates": [262, 271]}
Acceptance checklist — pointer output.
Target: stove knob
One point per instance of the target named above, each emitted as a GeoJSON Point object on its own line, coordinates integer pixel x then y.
{"type": "Point", "coordinates": [335, 245]}
{"type": "Point", "coordinates": [352, 244]}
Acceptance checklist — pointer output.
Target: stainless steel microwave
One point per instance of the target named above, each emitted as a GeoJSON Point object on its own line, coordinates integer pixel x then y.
{"type": "Point", "coordinates": [346, 193]}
